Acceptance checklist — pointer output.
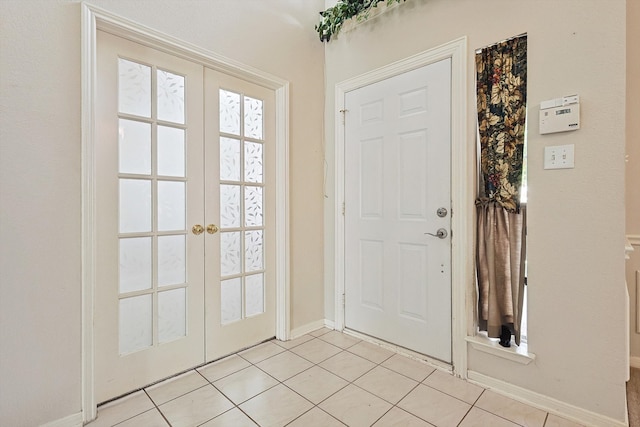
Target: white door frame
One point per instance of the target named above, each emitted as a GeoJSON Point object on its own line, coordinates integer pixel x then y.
{"type": "Point", "coordinates": [93, 19]}
{"type": "Point", "coordinates": [462, 170]}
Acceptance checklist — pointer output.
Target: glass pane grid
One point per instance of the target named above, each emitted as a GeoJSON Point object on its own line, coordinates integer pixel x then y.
{"type": "Point", "coordinates": [241, 206]}
{"type": "Point", "coordinates": [153, 185]}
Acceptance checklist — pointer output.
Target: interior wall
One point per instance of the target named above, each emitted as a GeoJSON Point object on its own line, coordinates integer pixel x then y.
{"type": "Point", "coordinates": [40, 173]}
{"type": "Point", "coordinates": [576, 216]}
{"type": "Point", "coordinates": [633, 169]}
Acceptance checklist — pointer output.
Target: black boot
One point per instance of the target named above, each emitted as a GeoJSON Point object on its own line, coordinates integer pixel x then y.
{"type": "Point", "coordinates": [505, 336]}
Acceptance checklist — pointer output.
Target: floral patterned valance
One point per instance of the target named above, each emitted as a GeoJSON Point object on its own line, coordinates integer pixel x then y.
{"type": "Point", "coordinates": [502, 96]}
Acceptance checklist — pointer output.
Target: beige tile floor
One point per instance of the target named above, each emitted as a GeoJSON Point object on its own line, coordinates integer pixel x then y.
{"type": "Point", "coordinates": [321, 379]}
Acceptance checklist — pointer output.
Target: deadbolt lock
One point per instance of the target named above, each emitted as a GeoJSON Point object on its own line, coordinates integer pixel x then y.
{"type": "Point", "coordinates": [442, 212]}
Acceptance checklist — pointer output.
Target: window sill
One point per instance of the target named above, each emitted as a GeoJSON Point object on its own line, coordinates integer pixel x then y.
{"type": "Point", "coordinates": [518, 354]}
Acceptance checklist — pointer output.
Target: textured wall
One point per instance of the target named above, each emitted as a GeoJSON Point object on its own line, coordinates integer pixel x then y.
{"type": "Point", "coordinates": [633, 162]}
{"type": "Point", "coordinates": [576, 216]}
{"type": "Point", "coordinates": [40, 326]}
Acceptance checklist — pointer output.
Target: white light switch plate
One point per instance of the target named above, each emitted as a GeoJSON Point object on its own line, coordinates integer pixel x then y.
{"type": "Point", "coordinates": [559, 157]}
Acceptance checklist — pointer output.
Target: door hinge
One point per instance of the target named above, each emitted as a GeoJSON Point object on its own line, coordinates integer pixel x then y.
{"type": "Point", "coordinates": [344, 114]}
{"type": "Point", "coordinates": [343, 300]}
{"type": "Point", "coordinates": [343, 208]}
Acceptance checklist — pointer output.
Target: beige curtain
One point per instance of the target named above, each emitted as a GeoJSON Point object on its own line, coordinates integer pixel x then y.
{"type": "Point", "coordinates": [501, 253]}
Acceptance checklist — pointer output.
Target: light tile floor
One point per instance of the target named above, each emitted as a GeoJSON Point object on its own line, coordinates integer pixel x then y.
{"type": "Point", "coordinates": [322, 379]}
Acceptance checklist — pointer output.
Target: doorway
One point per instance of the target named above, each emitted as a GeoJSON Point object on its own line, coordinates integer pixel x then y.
{"type": "Point", "coordinates": [461, 212]}
{"type": "Point", "coordinates": [94, 19]}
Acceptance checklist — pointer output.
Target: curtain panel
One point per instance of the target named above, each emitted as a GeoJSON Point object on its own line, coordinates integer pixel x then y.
{"type": "Point", "coordinates": [501, 255]}
{"type": "Point", "coordinates": [502, 96]}
{"type": "Point", "coordinates": [501, 72]}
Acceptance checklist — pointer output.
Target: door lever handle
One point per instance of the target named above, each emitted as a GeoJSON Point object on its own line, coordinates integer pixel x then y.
{"type": "Point", "coordinates": [441, 233]}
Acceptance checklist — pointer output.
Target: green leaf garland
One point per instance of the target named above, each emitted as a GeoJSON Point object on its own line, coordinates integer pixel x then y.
{"type": "Point", "coordinates": [333, 18]}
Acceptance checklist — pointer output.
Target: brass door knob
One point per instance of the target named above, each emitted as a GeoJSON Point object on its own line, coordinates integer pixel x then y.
{"type": "Point", "coordinates": [197, 229]}
{"type": "Point", "coordinates": [212, 229]}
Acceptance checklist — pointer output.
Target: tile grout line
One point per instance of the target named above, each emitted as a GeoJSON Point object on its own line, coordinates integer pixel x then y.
{"type": "Point", "coordinates": [465, 415]}
{"type": "Point", "coordinates": [158, 407]}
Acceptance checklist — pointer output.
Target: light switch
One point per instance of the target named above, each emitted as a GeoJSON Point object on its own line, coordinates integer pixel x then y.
{"type": "Point", "coordinates": [559, 157]}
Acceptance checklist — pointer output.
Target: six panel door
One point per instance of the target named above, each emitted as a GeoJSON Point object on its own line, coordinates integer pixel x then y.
{"type": "Point", "coordinates": [397, 177]}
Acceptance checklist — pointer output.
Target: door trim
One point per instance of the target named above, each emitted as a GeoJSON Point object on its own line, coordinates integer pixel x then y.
{"type": "Point", "coordinates": [94, 19]}
{"type": "Point", "coordinates": [462, 167]}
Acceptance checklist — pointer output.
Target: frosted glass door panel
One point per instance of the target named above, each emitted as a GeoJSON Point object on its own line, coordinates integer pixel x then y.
{"type": "Point", "coordinates": [230, 260]}
{"type": "Point", "coordinates": [229, 206]}
{"type": "Point", "coordinates": [135, 205]}
{"type": "Point", "coordinates": [172, 313]}
{"type": "Point", "coordinates": [171, 147]}
{"type": "Point", "coordinates": [229, 112]}
{"type": "Point", "coordinates": [171, 260]}
{"type": "Point", "coordinates": [253, 250]}
{"type": "Point", "coordinates": [231, 297]}
{"type": "Point", "coordinates": [149, 193]}
{"type": "Point", "coordinates": [134, 88]}
{"type": "Point", "coordinates": [240, 199]}
{"type": "Point", "coordinates": [243, 153]}
{"type": "Point", "coordinates": [253, 206]}
{"type": "Point", "coordinates": [254, 290]}
{"type": "Point", "coordinates": [136, 323]}
{"type": "Point", "coordinates": [229, 159]}
{"type": "Point", "coordinates": [135, 264]}
{"type": "Point", "coordinates": [253, 162]}
{"type": "Point", "coordinates": [171, 205]}
{"type": "Point", "coordinates": [252, 118]}
{"type": "Point", "coordinates": [134, 140]}
{"type": "Point", "coordinates": [170, 97]}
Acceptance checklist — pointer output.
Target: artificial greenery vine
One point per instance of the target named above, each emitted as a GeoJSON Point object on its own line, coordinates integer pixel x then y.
{"type": "Point", "coordinates": [334, 17]}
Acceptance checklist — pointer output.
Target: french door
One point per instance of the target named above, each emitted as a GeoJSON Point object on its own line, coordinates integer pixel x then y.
{"type": "Point", "coordinates": [398, 210]}
{"type": "Point", "coordinates": [185, 230]}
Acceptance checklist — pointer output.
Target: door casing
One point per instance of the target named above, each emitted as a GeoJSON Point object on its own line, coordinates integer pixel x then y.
{"type": "Point", "coordinates": [94, 18]}
{"type": "Point", "coordinates": [462, 172]}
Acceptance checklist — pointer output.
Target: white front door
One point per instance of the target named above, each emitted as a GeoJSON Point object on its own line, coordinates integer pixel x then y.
{"type": "Point", "coordinates": [397, 180]}
{"type": "Point", "coordinates": [184, 267]}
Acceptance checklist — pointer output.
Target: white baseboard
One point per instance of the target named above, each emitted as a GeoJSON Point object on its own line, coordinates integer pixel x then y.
{"type": "Point", "coordinates": [634, 362]}
{"type": "Point", "coordinates": [74, 420]}
{"type": "Point", "coordinates": [546, 403]}
{"type": "Point", "coordinates": [329, 324]}
{"type": "Point", "coordinates": [309, 327]}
